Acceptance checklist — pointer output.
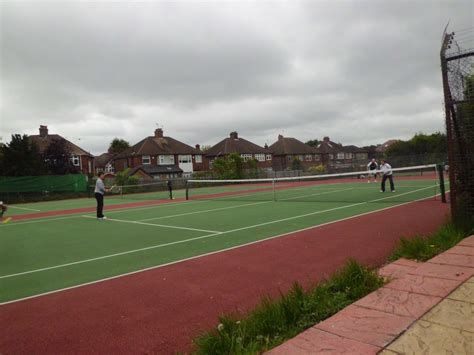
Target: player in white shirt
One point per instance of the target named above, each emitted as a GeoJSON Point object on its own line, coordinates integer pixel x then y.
{"type": "Point", "coordinates": [3, 209]}
{"type": "Point", "coordinates": [372, 170]}
{"type": "Point", "coordinates": [386, 171]}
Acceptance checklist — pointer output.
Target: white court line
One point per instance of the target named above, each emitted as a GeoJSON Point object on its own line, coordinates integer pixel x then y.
{"type": "Point", "coordinates": [156, 225]}
{"type": "Point", "coordinates": [244, 205]}
{"type": "Point", "coordinates": [23, 208]}
{"type": "Point", "coordinates": [202, 237]}
{"type": "Point", "coordinates": [210, 253]}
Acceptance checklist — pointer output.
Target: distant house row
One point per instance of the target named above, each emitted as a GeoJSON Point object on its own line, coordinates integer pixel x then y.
{"type": "Point", "coordinates": [163, 157]}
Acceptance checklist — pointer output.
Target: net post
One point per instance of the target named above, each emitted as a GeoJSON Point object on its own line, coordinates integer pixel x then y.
{"type": "Point", "coordinates": [442, 188]}
{"type": "Point", "coordinates": [273, 188]}
{"type": "Point", "coordinates": [187, 189]}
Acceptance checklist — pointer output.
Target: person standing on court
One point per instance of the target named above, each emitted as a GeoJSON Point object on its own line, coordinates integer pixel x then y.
{"type": "Point", "coordinates": [372, 168]}
{"type": "Point", "coordinates": [3, 209]}
{"type": "Point", "coordinates": [99, 193]}
{"type": "Point", "coordinates": [386, 171]}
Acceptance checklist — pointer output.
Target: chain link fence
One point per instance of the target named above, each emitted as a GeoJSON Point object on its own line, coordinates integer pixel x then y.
{"type": "Point", "coordinates": [457, 68]}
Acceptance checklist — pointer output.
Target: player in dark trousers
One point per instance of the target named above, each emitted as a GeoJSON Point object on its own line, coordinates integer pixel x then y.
{"type": "Point", "coordinates": [170, 188]}
{"type": "Point", "coordinates": [99, 193]}
{"type": "Point", "coordinates": [372, 168]}
{"type": "Point", "coordinates": [386, 171]}
{"type": "Point", "coordinates": [3, 209]}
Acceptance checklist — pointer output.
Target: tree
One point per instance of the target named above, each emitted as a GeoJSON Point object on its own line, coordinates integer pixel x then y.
{"type": "Point", "coordinates": [21, 157]}
{"type": "Point", "coordinates": [57, 158]}
{"type": "Point", "coordinates": [118, 145]}
{"type": "Point", "coordinates": [296, 164]}
{"type": "Point", "coordinates": [230, 167]}
{"type": "Point", "coordinates": [313, 142]}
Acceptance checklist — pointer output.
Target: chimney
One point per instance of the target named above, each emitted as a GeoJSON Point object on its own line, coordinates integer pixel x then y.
{"type": "Point", "coordinates": [280, 137]}
{"type": "Point", "coordinates": [158, 133]}
{"type": "Point", "coordinates": [265, 146]}
{"type": "Point", "coordinates": [234, 135]}
{"type": "Point", "coordinates": [326, 139]}
{"type": "Point", "coordinates": [43, 131]}
{"type": "Point", "coordinates": [198, 147]}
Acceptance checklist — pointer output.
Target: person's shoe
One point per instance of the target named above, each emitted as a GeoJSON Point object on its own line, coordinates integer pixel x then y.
{"type": "Point", "coordinates": [382, 191]}
{"type": "Point", "coordinates": [393, 190]}
{"type": "Point", "coordinates": [375, 180]}
{"type": "Point", "coordinates": [368, 182]}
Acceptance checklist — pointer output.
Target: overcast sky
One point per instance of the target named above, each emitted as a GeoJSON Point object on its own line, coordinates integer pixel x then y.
{"type": "Point", "coordinates": [361, 72]}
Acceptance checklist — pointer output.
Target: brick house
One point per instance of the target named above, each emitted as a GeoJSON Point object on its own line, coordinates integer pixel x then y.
{"type": "Point", "coordinates": [162, 157]}
{"type": "Point", "coordinates": [246, 149]}
{"type": "Point", "coordinates": [285, 150]}
{"type": "Point", "coordinates": [104, 163]}
{"type": "Point", "coordinates": [337, 156]}
{"type": "Point", "coordinates": [81, 159]}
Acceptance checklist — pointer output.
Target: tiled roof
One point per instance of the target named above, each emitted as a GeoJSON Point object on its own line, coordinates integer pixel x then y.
{"type": "Point", "coordinates": [286, 145]}
{"type": "Point", "coordinates": [235, 145]}
{"type": "Point", "coordinates": [329, 147]}
{"type": "Point", "coordinates": [43, 143]}
{"type": "Point", "coordinates": [159, 145]}
{"type": "Point", "coordinates": [156, 169]}
{"type": "Point", "coordinates": [102, 160]}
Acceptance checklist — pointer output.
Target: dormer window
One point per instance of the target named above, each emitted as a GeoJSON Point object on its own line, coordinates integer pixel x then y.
{"type": "Point", "coordinates": [146, 160]}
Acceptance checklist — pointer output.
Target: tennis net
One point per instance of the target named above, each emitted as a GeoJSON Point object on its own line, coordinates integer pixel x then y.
{"type": "Point", "coordinates": [147, 191]}
{"type": "Point", "coordinates": [411, 183]}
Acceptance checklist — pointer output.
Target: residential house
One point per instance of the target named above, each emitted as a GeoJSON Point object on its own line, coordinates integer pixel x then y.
{"type": "Point", "coordinates": [162, 157]}
{"type": "Point", "coordinates": [246, 149]}
{"type": "Point", "coordinates": [285, 150]}
{"type": "Point", "coordinates": [104, 163]}
{"type": "Point", "coordinates": [381, 148]}
{"type": "Point", "coordinates": [80, 158]}
{"type": "Point", "coordinates": [337, 156]}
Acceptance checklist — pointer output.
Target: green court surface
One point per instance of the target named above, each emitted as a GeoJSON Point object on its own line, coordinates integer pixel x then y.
{"type": "Point", "coordinates": [45, 255]}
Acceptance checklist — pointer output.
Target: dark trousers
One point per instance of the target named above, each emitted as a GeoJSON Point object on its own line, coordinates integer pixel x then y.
{"type": "Point", "coordinates": [170, 190]}
{"type": "Point", "coordinates": [3, 209]}
{"type": "Point", "coordinates": [390, 177]}
{"type": "Point", "coordinates": [100, 204]}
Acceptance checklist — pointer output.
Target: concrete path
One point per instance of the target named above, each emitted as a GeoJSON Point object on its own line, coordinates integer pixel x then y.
{"type": "Point", "coordinates": [426, 308]}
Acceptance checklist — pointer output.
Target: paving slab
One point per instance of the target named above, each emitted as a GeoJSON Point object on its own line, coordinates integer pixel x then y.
{"type": "Point", "coordinates": [398, 302]}
{"type": "Point", "coordinates": [430, 338]}
{"type": "Point", "coordinates": [366, 325]}
{"type": "Point", "coordinates": [467, 242]}
{"type": "Point", "coordinates": [315, 341]}
{"type": "Point", "coordinates": [406, 262]}
{"type": "Point", "coordinates": [454, 259]}
{"type": "Point", "coordinates": [449, 272]}
{"type": "Point", "coordinates": [459, 249]}
{"type": "Point", "coordinates": [424, 285]}
{"type": "Point", "coordinates": [464, 293]}
{"type": "Point", "coordinates": [454, 314]}
{"type": "Point", "coordinates": [395, 271]}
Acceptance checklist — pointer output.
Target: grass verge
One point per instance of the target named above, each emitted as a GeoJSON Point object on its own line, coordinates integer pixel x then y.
{"type": "Point", "coordinates": [422, 248]}
{"type": "Point", "coordinates": [277, 320]}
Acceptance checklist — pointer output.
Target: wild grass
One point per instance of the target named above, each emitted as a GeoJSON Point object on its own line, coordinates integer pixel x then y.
{"type": "Point", "coordinates": [422, 248]}
{"type": "Point", "coordinates": [277, 320]}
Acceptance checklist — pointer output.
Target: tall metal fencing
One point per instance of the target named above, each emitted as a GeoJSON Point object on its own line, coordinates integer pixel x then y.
{"type": "Point", "coordinates": [457, 68]}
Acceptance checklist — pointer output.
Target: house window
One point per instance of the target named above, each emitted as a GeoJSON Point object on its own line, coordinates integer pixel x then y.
{"type": "Point", "coordinates": [308, 157]}
{"type": "Point", "coordinates": [289, 157]}
{"type": "Point", "coordinates": [331, 156]}
{"type": "Point", "coordinates": [348, 155]}
{"type": "Point", "coordinates": [166, 159]}
{"type": "Point", "coordinates": [301, 157]}
{"type": "Point", "coordinates": [246, 157]}
{"type": "Point", "coordinates": [146, 160]}
{"type": "Point", "coordinates": [260, 157]}
{"type": "Point", "coordinates": [340, 155]}
{"type": "Point", "coordinates": [75, 160]}
{"type": "Point", "coordinates": [269, 157]}
{"type": "Point", "coordinates": [109, 168]}
{"type": "Point", "coordinates": [317, 157]}
{"type": "Point", "coordinates": [185, 159]}
{"type": "Point", "coordinates": [198, 158]}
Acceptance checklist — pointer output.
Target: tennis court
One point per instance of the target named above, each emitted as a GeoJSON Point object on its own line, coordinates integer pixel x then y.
{"type": "Point", "coordinates": [45, 255]}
